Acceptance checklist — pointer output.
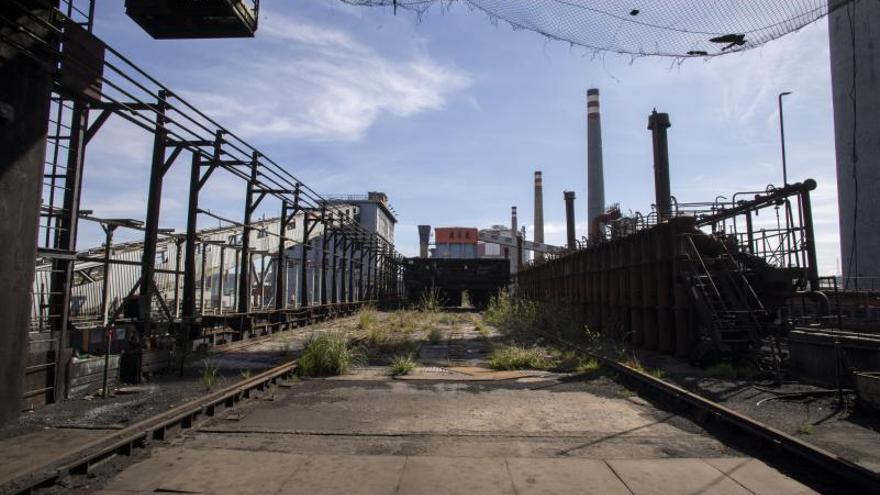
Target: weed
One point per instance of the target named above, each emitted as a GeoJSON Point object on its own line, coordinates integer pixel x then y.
{"type": "Point", "coordinates": [402, 365]}
{"type": "Point", "coordinates": [588, 366]}
{"type": "Point", "coordinates": [329, 354]}
{"type": "Point", "coordinates": [806, 429]}
{"type": "Point", "coordinates": [724, 371]}
{"type": "Point", "coordinates": [245, 373]}
{"type": "Point", "coordinates": [481, 328]}
{"type": "Point", "coordinates": [378, 335]}
{"type": "Point", "coordinates": [367, 319]}
{"type": "Point", "coordinates": [435, 336]}
{"type": "Point", "coordinates": [516, 357]}
{"type": "Point", "coordinates": [430, 300]}
{"type": "Point", "coordinates": [209, 374]}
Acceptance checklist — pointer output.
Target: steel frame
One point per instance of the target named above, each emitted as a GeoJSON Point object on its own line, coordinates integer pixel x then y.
{"type": "Point", "coordinates": [177, 127]}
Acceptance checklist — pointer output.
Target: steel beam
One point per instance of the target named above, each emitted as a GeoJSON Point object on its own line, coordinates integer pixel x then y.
{"type": "Point", "coordinates": [244, 272]}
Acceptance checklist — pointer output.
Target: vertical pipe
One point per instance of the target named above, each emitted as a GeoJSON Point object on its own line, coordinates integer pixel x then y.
{"type": "Point", "coordinates": [177, 260]}
{"type": "Point", "coordinates": [221, 276]}
{"type": "Point", "coordinates": [569, 219]}
{"type": "Point", "coordinates": [539, 214]}
{"type": "Point", "coordinates": [657, 124]}
{"type": "Point", "coordinates": [809, 235]}
{"type": "Point", "coordinates": [202, 276]}
{"type": "Point", "coordinates": [595, 172]}
{"type": "Point", "coordinates": [323, 260]}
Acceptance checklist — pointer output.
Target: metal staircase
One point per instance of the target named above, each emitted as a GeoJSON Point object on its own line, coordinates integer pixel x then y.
{"type": "Point", "coordinates": [730, 312]}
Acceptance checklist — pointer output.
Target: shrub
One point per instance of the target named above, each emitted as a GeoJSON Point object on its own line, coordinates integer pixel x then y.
{"type": "Point", "coordinates": [329, 354]}
{"type": "Point", "coordinates": [516, 357]}
{"type": "Point", "coordinates": [402, 365]}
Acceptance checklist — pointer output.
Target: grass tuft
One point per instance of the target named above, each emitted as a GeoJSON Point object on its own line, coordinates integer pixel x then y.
{"type": "Point", "coordinates": [435, 336]}
{"type": "Point", "coordinates": [724, 371]}
{"type": "Point", "coordinates": [516, 358]}
{"type": "Point", "coordinates": [329, 354]}
{"type": "Point", "coordinates": [367, 319]}
{"type": "Point", "coordinates": [402, 365]}
{"type": "Point", "coordinates": [210, 374]}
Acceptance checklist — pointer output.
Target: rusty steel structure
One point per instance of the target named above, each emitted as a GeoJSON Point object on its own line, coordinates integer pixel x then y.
{"type": "Point", "coordinates": [90, 84]}
{"type": "Point", "coordinates": [694, 280]}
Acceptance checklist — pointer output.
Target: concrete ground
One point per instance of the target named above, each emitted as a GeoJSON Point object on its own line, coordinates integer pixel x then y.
{"type": "Point", "coordinates": [453, 427]}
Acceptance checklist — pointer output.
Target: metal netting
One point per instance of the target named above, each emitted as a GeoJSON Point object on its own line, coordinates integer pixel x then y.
{"type": "Point", "coordinates": [673, 28]}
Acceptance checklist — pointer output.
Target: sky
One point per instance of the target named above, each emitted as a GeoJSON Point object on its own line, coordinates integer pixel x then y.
{"type": "Point", "coordinates": [450, 114]}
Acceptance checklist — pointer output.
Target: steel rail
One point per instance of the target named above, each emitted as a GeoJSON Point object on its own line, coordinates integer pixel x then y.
{"type": "Point", "coordinates": [816, 457]}
{"type": "Point", "coordinates": [82, 458]}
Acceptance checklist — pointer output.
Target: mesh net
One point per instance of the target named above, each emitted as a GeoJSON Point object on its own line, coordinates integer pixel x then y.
{"type": "Point", "coordinates": [674, 28]}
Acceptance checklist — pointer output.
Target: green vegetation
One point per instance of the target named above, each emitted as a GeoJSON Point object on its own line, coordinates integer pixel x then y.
{"type": "Point", "coordinates": [367, 319]}
{"type": "Point", "coordinates": [245, 373]}
{"type": "Point", "coordinates": [430, 300]}
{"type": "Point", "coordinates": [480, 327]}
{"type": "Point", "coordinates": [514, 357]}
{"type": "Point", "coordinates": [210, 374]}
{"type": "Point", "coordinates": [724, 371]}
{"type": "Point", "coordinates": [329, 354]}
{"type": "Point", "coordinates": [402, 365]}
{"type": "Point", "coordinates": [806, 429]}
{"type": "Point", "coordinates": [435, 336]}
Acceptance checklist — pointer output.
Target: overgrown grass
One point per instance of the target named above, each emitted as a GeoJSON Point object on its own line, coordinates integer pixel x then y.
{"type": "Point", "coordinates": [402, 365]}
{"type": "Point", "coordinates": [435, 336]}
{"type": "Point", "coordinates": [210, 374]}
{"type": "Point", "coordinates": [329, 354]}
{"type": "Point", "coordinates": [480, 327]}
{"type": "Point", "coordinates": [513, 357]}
{"type": "Point", "coordinates": [429, 301]}
{"type": "Point", "coordinates": [367, 319]}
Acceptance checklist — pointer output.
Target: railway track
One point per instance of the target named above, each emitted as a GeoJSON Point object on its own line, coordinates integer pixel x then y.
{"type": "Point", "coordinates": [84, 458]}
{"type": "Point", "coordinates": [714, 417]}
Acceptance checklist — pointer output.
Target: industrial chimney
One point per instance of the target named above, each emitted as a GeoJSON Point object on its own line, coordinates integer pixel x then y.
{"type": "Point", "coordinates": [539, 214]}
{"type": "Point", "coordinates": [424, 238]}
{"type": "Point", "coordinates": [595, 175]}
{"type": "Point", "coordinates": [657, 124]}
{"type": "Point", "coordinates": [569, 219]}
{"type": "Point", "coordinates": [513, 223]}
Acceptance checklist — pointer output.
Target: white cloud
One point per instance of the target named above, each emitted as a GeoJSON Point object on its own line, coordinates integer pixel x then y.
{"type": "Point", "coordinates": [319, 83]}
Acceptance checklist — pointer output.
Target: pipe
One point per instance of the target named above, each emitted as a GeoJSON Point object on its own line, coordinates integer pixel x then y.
{"type": "Point", "coordinates": [657, 124]}
{"type": "Point", "coordinates": [569, 219]}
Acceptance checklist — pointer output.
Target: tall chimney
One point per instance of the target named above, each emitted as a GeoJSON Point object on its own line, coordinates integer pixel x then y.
{"type": "Point", "coordinates": [595, 174]}
{"type": "Point", "coordinates": [569, 218]}
{"type": "Point", "coordinates": [539, 213]}
{"type": "Point", "coordinates": [657, 124]}
{"type": "Point", "coordinates": [513, 222]}
{"type": "Point", "coordinates": [424, 238]}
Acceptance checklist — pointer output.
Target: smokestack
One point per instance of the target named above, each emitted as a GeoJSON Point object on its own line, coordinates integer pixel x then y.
{"type": "Point", "coordinates": [595, 174]}
{"type": "Point", "coordinates": [657, 124]}
{"type": "Point", "coordinates": [513, 222]}
{"type": "Point", "coordinates": [539, 213]}
{"type": "Point", "coordinates": [569, 218]}
{"type": "Point", "coordinates": [424, 238]}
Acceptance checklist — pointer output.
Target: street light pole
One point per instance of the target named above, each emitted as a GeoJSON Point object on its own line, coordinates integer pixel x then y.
{"type": "Point", "coordinates": [782, 138]}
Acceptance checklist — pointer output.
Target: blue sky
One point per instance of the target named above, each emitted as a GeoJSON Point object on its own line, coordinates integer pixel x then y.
{"type": "Point", "coordinates": [451, 114]}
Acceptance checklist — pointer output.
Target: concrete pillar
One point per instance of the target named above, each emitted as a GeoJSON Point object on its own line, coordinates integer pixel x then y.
{"type": "Point", "coordinates": [24, 108]}
{"type": "Point", "coordinates": [539, 214]}
{"type": "Point", "coordinates": [855, 76]}
{"type": "Point", "coordinates": [595, 173]}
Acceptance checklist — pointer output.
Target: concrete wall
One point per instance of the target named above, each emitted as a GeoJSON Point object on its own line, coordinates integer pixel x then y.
{"type": "Point", "coordinates": [855, 77]}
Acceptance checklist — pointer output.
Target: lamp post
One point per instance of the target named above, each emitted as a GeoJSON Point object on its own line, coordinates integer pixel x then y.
{"type": "Point", "coordinates": [782, 138]}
